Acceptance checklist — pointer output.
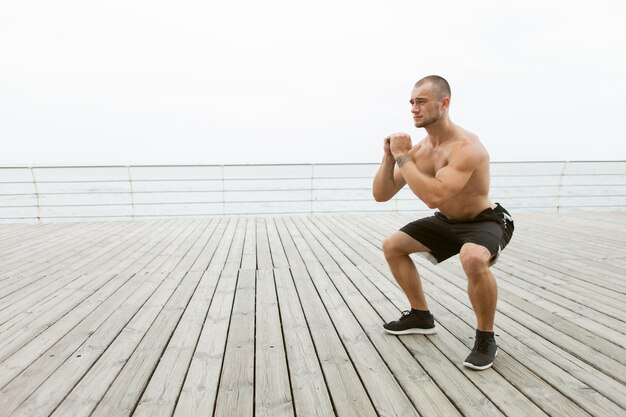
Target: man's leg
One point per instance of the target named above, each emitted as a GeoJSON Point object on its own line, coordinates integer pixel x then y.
{"type": "Point", "coordinates": [418, 320]}
{"type": "Point", "coordinates": [481, 284]}
{"type": "Point", "coordinates": [397, 248]}
{"type": "Point", "coordinates": [483, 293]}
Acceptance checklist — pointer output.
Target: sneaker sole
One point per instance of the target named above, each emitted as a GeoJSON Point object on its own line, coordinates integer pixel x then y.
{"type": "Point", "coordinates": [479, 368]}
{"type": "Point", "coordinates": [411, 331]}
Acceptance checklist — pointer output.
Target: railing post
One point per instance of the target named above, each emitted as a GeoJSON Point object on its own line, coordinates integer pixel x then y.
{"type": "Point", "coordinates": [558, 190]}
{"type": "Point", "coordinates": [223, 192]}
{"type": "Point", "coordinates": [32, 173]}
{"type": "Point", "coordinates": [132, 194]}
{"type": "Point", "coordinates": [311, 189]}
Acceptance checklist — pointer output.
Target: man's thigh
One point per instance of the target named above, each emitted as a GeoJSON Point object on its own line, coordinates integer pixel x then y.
{"type": "Point", "coordinates": [406, 243]}
{"type": "Point", "coordinates": [434, 236]}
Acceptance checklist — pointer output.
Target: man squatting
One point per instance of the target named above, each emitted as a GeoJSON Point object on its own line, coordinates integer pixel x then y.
{"type": "Point", "coordinates": [447, 170]}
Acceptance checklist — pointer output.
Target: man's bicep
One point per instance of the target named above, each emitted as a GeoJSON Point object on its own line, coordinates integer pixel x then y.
{"type": "Point", "coordinates": [457, 173]}
{"type": "Point", "coordinates": [453, 179]}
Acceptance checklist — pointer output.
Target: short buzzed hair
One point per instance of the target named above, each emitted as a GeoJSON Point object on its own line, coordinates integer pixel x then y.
{"type": "Point", "coordinates": [440, 85]}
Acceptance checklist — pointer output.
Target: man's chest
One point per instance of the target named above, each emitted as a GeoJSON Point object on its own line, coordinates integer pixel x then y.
{"type": "Point", "coordinates": [430, 161]}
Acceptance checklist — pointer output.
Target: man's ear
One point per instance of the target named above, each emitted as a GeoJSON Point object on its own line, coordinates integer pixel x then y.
{"type": "Point", "coordinates": [445, 103]}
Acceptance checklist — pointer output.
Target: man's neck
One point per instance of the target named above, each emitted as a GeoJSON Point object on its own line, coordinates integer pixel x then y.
{"type": "Point", "coordinates": [440, 131]}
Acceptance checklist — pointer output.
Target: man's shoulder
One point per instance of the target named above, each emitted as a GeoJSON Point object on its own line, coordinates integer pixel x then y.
{"type": "Point", "coordinates": [469, 148]}
{"type": "Point", "coordinates": [463, 134]}
{"type": "Point", "coordinates": [469, 141]}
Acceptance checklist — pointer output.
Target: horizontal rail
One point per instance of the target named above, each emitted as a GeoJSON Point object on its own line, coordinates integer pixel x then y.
{"type": "Point", "coordinates": [51, 193]}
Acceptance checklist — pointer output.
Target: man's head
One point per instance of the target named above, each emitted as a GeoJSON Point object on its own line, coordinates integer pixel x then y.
{"type": "Point", "coordinates": [430, 100]}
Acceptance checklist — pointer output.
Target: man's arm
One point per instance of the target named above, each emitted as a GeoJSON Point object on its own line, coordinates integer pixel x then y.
{"type": "Point", "coordinates": [447, 182]}
{"type": "Point", "coordinates": [388, 180]}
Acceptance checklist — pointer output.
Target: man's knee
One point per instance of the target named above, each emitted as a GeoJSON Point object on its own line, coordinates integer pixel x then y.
{"type": "Point", "coordinates": [475, 259]}
{"type": "Point", "coordinates": [390, 248]}
{"type": "Point", "coordinates": [400, 244]}
{"type": "Point", "coordinates": [393, 246]}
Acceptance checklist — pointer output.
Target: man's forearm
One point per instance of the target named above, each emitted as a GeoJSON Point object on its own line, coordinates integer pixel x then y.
{"type": "Point", "coordinates": [422, 185]}
{"type": "Point", "coordinates": [383, 180]}
{"type": "Point", "coordinates": [401, 160]}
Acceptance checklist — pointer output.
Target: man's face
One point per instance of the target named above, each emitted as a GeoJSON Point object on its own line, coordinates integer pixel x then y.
{"type": "Point", "coordinates": [425, 105]}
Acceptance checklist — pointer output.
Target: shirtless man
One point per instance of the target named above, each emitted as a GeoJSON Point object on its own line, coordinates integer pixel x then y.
{"type": "Point", "coordinates": [447, 170]}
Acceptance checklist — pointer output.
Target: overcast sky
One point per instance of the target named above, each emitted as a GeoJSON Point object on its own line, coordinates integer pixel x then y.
{"type": "Point", "coordinates": [277, 81]}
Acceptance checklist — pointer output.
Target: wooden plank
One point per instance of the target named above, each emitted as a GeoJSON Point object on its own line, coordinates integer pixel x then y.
{"type": "Point", "coordinates": [348, 394]}
{"type": "Point", "coordinates": [65, 270]}
{"type": "Point", "coordinates": [277, 250]}
{"type": "Point", "coordinates": [516, 363]}
{"type": "Point", "coordinates": [310, 393]}
{"type": "Point", "coordinates": [546, 281]}
{"type": "Point", "coordinates": [235, 255]}
{"type": "Point", "coordinates": [536, 355]}
{"type": "Point", "coordinates": [534, 358]}
{"type": "Point", "coordinates": [564, 283]}
{"type": "Point", "coordinates": [38, 360]}
{"type": "Point", "coordinates": [162, 390]}
{"type": "Point", "coordinates": [427, 398]}
{"type": "Point", "coordinates": [602, 235]}
{"type": "Point", "coordinates": [577, 338]}
{"type": "Point", "coordinates": [136, 340]}
{"type": "Point", "coordinates": [385, 392]}
{"type": "Point", "coordinates": [128, 364]}
{"type": "Point", "coordinates": [272, 386]}
{"type": "Point", "coordinates": [520, 407]}
{"type": "Point", "coordinates": [129, 320]}
{"type": "Point", "coordinates": [199, 391]}
{"type": "Point", "coordinates": [44, 330]}
{"type": "Point", "coordinates": [605, 282]}
{"type": "Point", "coordinates": [498, 389]}
{"type": "Point", "coordinates": [20, 251]}
{"type": "Point", "coordinates": [589, 399]}
{"type": "Point", "coordinates": [44, 312]}
{"type": "Point", "coordinates": [294, 261]}
{"type": "Point", "coordinates": [603, 268]}
{"type": "Point", "coordinates": [235, 395]}
{"type": "Point", "coordinates": [164, 386]}
{"type": "Point", "coordinates": [314, 346]}
{"type": "Point", "coordinates": [263, 255]}
{"type": "Point", "coordinates": [31, 263]}
{"type": "Point", "coordinates": [575, 310]}
{"type": "Point", "coordinates": [248, 259]}
{"type": "Point", "coordinates": [272, 389]}
{"type": "Point", "coordinates": [15, 237]}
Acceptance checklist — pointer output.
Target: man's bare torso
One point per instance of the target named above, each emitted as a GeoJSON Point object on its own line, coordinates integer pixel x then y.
{"type": "Point", "coordinates": [474, 197]}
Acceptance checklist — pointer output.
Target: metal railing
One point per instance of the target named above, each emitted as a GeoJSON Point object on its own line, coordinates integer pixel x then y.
{"type": "Point", "coordinates": [63, 193]}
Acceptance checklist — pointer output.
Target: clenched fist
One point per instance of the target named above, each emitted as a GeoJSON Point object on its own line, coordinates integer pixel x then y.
{"type": "Point", "coordinates": [398, 144]}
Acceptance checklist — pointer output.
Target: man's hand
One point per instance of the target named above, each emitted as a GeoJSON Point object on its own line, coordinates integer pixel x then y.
{"type": "Point", "coordinates": [387, 148]}
{"type": "Point", "coordinates": [399, 144]}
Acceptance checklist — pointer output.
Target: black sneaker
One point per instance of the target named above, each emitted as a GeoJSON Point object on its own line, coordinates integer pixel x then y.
{"type": "Point", "coordinates": [484, 352]}
{"type": "Point", "coordinates": [411, 324]}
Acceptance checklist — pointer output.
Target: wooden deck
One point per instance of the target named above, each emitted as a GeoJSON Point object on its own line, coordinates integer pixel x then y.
{"type": "Point", "coordinates": [282, 316]}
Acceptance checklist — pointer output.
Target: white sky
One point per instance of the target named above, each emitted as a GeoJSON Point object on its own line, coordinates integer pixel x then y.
{"type": "Point", "coordinates": [276, 81]}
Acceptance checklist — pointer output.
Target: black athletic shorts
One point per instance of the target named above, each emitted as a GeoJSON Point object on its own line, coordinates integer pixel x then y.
{"type": "Point", "coordinates": [492, 228]}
